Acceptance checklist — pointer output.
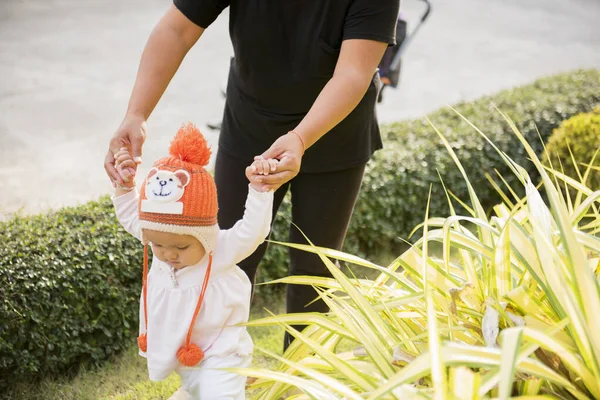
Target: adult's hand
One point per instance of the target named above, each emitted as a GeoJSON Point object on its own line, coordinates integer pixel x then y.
{"type": "Point", "coordinates": [288, 149]}
{"type": "Point", "coordinates": [131, 135]}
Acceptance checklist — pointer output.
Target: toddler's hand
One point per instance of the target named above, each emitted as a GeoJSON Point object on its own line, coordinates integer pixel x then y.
{"type": "Point", "coordinates": [125, 166]}
{"type": "Point", "coordinates": [263, 166]}
{"type": "Point", "coordinates": [258, 168]}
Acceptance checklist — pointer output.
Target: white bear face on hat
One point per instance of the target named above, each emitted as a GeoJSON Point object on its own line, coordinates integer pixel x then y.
{"type": "Point", "coordinates": [166, 186]}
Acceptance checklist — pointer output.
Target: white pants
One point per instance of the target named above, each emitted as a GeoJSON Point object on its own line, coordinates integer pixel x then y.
{"type": "Point", "coordinates": [208, 382]}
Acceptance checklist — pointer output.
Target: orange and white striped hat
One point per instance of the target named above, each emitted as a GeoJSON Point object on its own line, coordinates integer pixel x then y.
{"type": "Point", "coordinates": [178, 194]}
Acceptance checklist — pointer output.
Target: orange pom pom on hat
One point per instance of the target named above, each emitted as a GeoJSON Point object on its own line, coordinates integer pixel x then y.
{"type": "Point", "coordinates": [179, 196]}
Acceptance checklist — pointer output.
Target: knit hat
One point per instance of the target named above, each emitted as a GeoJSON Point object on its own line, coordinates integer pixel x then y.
{"type": "Point", "coordinates": [179, 196]}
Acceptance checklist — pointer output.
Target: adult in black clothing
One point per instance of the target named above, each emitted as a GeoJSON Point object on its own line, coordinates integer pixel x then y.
{"type": "Point", "coordinates": [302, 88]}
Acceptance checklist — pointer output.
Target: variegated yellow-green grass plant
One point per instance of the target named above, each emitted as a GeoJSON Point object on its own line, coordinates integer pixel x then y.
{"type": "Point", "coordinates": [511, 307]}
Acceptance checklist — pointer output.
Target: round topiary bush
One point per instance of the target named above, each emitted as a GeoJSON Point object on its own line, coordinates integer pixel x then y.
{"type": "Point", "coordinates": [579, 136]}
{"type": "Point", "coordinates": [70, 285]}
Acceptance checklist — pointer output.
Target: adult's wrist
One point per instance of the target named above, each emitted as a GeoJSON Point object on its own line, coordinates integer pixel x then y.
{"type": "Point", "coordinates": [136, 115]}
{"type": "Point", "coordinates": [299, 138]}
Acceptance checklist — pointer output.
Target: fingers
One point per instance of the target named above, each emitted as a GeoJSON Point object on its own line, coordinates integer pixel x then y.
{"type": "Point", "coordinates": [253, 178]}
{"type": "Point", "coordinates": [124, 159]}
{"type": "Point", "coordinates": [258, 167]}
{"type": "Point", "coordinates": [276, 179]}
{"type": "Point", "coordinates": [125, 165]}
{"type": "Point", "coordinates": [285, 169]}
{"type": "Point", "coordinates": [126, 174]}
{"type": "Point", "coordinates": [251, 175]}
{"type": "Point", "coordinates": [262, 166]}
{"type": "Point", "coordinates": [109, 167]}
{"type": "Point", "coordinates": [122, 153]}
{"type": "Point", "coordinates": [273, 164]}
{"type": "Point", "coordinates": [109, 161]}
{"type": "Point", "coordinates": [270, 174]}
{"type": "Point", "coordinates": [272, 152]}
{"type": "Point", "coordinates": [288, 162]}
{"type": "Point", "coordinates": [137, 141]}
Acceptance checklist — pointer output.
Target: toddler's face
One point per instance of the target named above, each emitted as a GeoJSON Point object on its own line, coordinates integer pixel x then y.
{"type": "Point", "coordinates": [178, 251]}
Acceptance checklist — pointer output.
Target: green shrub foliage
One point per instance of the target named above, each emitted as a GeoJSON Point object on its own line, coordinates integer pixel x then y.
{"type": "Point", "coordinates": [580, 134]}
{"type": "Point", "coordinates": [70, 285]}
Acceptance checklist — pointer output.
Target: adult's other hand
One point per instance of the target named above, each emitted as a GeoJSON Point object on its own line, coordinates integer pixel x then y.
{"type": "Point", "coordinates": [288, 149]}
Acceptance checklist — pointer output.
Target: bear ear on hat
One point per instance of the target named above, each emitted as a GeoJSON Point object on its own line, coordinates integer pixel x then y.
{"type": "Point", "coordinates": [183, 176]}
{"type": "Point", "coordinates": [153, 171]}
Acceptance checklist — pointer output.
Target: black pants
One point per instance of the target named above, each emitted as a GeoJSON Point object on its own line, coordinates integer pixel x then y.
{"type": "Point", "coordinates": [322, 204]}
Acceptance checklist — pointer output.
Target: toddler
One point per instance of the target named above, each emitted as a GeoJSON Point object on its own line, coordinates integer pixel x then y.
{"type": "Point", "coordinates": [194, 295]}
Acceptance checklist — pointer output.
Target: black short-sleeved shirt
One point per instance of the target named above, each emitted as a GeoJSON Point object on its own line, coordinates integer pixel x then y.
{"type": "Point", "coordinates": [285, 51]}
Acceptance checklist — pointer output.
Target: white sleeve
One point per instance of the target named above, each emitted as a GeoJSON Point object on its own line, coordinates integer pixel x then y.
{"type": "Point", "coordinates": [126, 208]}
{"type": "Point", "coordinates": [248, 233]}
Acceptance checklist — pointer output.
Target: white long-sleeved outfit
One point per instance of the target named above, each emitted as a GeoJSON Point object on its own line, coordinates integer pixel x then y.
{"type": "Point", "coordinates": [172, 296]}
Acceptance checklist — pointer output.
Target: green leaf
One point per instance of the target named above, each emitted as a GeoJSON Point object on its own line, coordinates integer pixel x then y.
{"type": "Point", "coordinates": [510, 349]}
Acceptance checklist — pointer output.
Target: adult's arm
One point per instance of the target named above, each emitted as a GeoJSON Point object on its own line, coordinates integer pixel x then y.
{"type": "Point", "coordinates": [353, 74]}
{"type": "Point", "coordinates": [169, 42]}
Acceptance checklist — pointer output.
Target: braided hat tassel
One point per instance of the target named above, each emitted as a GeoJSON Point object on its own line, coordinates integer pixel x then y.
{"type": "Point", "coordinates": [143, 339]}
{"type": "Point", "coordinates": [191, 354]}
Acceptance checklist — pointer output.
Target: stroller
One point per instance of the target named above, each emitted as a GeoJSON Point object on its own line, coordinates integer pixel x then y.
{"type": "Point", "coordinates": [391, 62]}
{"type": "Point", "coordinates": [390, 65]}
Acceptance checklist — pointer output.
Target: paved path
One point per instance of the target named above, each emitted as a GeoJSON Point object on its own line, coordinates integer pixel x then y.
{"type": "Point", "coordinates": [67, 68]}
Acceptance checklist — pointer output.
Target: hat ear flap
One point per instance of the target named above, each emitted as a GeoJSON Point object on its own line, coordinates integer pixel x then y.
{"type": "Point", "coordinates": [183, 176]}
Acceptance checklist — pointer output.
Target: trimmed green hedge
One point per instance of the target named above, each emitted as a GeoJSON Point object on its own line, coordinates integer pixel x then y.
{"type": "Point", "coordinates": [70, 285]}
{"type": "Point", "coordinates": [70, 280]}
{"type": "Point", "coordinates": [580, 134]}
{"type": "Point", "coordinates": [396, 185]}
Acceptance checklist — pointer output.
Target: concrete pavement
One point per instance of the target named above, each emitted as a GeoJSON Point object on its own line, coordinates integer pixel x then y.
{"type": "Point", "coordinates": [67, 68]}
